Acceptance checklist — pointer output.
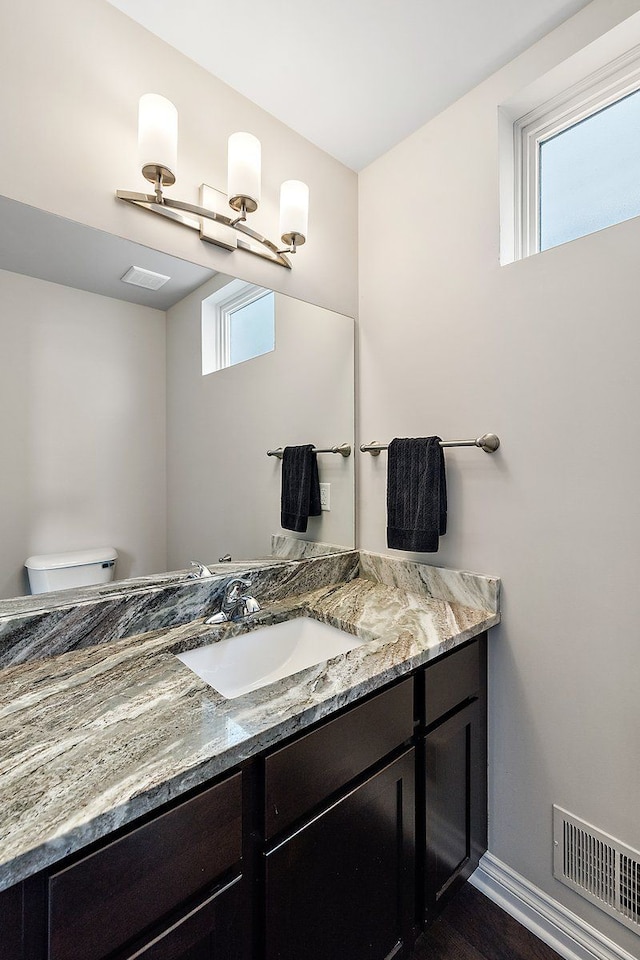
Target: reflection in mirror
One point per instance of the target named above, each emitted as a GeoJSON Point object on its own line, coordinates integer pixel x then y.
{"type": "Point", "coordinates": [238, 324]}
{"type": "Point", "coordinates": [114, 435]}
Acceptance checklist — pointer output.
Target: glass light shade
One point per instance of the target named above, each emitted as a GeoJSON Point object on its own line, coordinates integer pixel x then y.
{"type": "Point", "coordinates": [294, 210]}
{"type": "Point", "coordinates": [244, 161]}
{"type": "Point", "coordinates": [157, 134]}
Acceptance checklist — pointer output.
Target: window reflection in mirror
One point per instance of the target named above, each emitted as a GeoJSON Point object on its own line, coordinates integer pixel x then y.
{"type": "Point", "coordinates": [238, 324]}
{"type": "Point", "coordinates": [112, 435]}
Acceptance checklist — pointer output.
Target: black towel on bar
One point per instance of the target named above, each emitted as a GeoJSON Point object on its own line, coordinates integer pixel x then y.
{"type": "Point", "coordinates": [300, 487]}
{"type": "Point", "coordinates": [416, 494]}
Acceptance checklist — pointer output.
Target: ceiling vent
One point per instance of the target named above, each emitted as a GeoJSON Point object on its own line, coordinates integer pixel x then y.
{"type": "Point", "coordinates": [598, 867]}
{"type": "Point", "coordinates": [140, 277]}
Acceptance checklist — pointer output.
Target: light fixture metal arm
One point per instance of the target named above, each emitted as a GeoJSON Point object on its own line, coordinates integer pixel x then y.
{"type": "Point", "coordinates": [191, 215]}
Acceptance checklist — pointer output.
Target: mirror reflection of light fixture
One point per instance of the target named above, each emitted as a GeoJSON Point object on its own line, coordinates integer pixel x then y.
{"type": "Point", "coordinates": [158, 152]}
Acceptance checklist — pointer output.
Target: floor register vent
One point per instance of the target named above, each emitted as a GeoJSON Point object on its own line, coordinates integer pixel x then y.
{"type": "Point", "coordinates": [598, 867]}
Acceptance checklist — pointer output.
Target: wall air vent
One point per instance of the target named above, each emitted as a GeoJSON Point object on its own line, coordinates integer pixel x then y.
{"type": "Point", "coordinates": [140, 277]}
{"type": "Point", "coordinates": [598, 867]}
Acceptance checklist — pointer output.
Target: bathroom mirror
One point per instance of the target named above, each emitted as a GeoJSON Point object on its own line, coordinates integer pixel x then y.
{"type": "Point", "coordinates": [112, 434]}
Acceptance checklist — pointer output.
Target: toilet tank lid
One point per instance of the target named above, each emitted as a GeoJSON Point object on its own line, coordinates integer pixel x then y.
{"type": "Point", "coordinates": [72, 558]}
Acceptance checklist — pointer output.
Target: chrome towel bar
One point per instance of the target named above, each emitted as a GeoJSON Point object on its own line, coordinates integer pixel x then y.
{"type": "Point", "coordinates": [344, 449]}
{"type": "Point", "coordinates": [488, 442]}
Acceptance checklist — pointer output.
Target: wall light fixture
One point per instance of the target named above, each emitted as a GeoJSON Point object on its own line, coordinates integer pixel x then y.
{"type": "Point", "coordinates": [158, 152]}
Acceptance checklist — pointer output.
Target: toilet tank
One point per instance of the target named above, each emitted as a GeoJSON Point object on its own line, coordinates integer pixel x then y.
{"type": "Point", "coordinates": [77, 568]}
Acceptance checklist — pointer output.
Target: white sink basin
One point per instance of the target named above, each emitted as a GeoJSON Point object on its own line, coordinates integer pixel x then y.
{"type": "Point", "coordinates": [247, 662]}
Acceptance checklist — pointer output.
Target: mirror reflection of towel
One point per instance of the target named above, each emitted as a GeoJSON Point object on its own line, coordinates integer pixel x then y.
{"type": "Point", "coordinates": [416, 494]}
{"type": "Point", "coordinates": [300, 487]}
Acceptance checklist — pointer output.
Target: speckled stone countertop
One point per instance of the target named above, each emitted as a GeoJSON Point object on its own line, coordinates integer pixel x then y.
{"type": "Point", "coordinates": [95, 737]}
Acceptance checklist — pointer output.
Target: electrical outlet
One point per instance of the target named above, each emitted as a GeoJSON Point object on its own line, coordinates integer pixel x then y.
{"type": "Point", "coordinates": [325, 496]}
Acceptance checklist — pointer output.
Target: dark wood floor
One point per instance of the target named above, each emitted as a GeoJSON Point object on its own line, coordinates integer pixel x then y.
{"type": "Point", "coordinates": [474, 928]}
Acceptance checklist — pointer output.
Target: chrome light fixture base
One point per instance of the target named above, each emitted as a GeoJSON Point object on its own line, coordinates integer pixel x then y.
{"type": "Point", "coordinates": [243, 205]}
{"type": "Point", "coordinates": [293, 241]}
{"type": "Point", "coordinates": [212, 226]}
{"type": "Point", "coordinates": [154, 173]}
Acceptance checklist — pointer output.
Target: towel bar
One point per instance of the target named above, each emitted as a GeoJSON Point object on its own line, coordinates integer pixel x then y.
{"type": "Point", "coordinates": [343, 448]}
{"type": "Point", "coordinates": [488, 442]}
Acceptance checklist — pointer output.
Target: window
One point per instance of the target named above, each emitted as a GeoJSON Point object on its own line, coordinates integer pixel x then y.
{"type": "Point", "coordinates": [238, 324]}
{"type": "Point", "coordinates": [589, 175]}
{"type": "Point", "coordinates": [577, 159]}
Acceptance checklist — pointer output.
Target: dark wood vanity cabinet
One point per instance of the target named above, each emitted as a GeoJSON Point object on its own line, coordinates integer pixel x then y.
{"type": "Point", "coordinates": [303, 773]}
{"type": "Point", "coordinates": [453, 752]}
{"type": "Point", "coordinates": [167, 890]}
{"type": "Point", "coordinates": [340, 843]}
{"type": "Point", "coordinates": [11, 925]}
{"type": "Point", "coordinates": [214, 930]}
{"type": "Point", "coordinates": [341, 883]}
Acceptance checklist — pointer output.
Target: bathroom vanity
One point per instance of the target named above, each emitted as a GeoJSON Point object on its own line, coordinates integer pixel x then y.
{"type": "Point", "coordinates": [328, 815]}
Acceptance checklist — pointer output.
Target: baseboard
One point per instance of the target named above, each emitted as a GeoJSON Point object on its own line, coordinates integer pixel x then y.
{"type": "Point", "coordinates": [552, 923]}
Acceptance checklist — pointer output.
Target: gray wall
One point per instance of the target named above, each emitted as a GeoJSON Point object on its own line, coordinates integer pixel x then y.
{"type": "Point", "coordinates": [223, 491]}
{"type": "Point", "coordinates": [546, 353]}
{"type": "Point", "coordinates": [82, 421]}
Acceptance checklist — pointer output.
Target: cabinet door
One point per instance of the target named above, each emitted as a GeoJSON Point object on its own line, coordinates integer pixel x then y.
{"type": "Point", "coordinates": [214, 930]}
{"type": "Point", "coordinates": [11, 947]}
{"type": "Point", "coordinates": [455, 803]}
{"type": "Point", "coordinates": [343, 885]}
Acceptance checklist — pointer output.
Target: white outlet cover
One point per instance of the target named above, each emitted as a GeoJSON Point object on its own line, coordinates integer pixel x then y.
{"type": "Point", "coordinates": [325, 496]}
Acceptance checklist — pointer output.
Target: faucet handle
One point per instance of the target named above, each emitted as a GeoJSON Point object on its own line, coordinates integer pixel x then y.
{"type": "Point", "coordinates": [200, 571]}
{"type": "Point", "coordinates": [245, 581]}
{"type": "Point", "coordinates": [235, 603]}
{"type": "Point", "coordinates": [233, 590]}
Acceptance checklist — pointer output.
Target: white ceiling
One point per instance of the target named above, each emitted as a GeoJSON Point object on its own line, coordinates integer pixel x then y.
{"type": "Point", "coordinates": [353, 76]}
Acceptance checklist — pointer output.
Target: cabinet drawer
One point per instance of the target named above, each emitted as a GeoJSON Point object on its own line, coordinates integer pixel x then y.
{"type": "Point", "coordinates": [101, 902]}
{"type": "Point", "coordinates": [300, 775]}
{"type": "Point", "coordinates": [214, 929]}
{"type": "Point", "coordinates": [453, 680]}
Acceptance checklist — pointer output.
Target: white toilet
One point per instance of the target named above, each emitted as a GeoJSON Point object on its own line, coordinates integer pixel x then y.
{"type": "Point", "coordinates": [77, 568]}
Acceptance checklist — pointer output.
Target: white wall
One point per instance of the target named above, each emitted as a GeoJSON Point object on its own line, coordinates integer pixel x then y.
{"type": "Point", "coordinates": [82, 421]}
{"type": "Point", "coordinates": [544, 352]}
{"type": "Point", "coordinates": [223, 491]}
{"type": "Point", "coordinates": [69, 121]}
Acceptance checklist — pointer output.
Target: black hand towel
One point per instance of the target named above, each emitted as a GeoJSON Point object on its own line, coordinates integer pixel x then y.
{"type": "Point", "coordinates": [300, 487]}
{"type": "Point", "coordinates": [416, 494]}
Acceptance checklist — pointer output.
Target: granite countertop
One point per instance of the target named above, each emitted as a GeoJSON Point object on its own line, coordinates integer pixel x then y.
{"type": "Point", "coordinates": [96, 737]}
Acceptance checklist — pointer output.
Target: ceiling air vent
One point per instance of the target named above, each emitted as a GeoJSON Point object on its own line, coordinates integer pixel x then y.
{"type": "Point", "coordinates": [598, 867]}
{"type": "Point", "coordinates": [140, 277]}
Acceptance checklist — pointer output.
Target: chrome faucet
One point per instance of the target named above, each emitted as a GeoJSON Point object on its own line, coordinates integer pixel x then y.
{"type": "Point", "coordinates": [200, 572]}
{"type": "Point", "coordinates": [236, 605]}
